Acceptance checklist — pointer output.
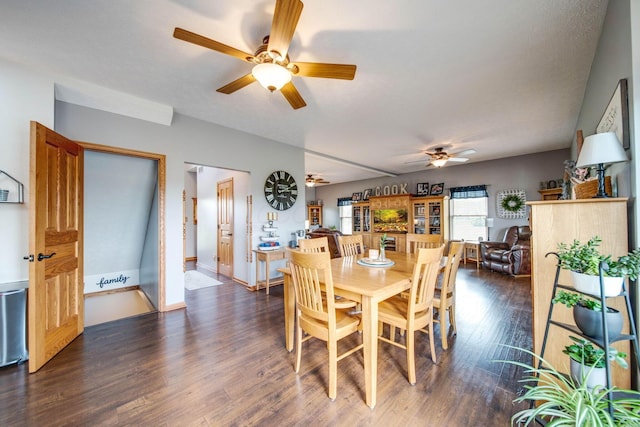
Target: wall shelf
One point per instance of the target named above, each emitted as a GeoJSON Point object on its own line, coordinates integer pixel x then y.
{"type": "Point", "coordinates": [14, 187]}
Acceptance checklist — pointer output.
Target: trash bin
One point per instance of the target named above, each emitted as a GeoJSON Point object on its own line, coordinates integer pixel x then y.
{"type": "Point", "coordinates": [13, 311]}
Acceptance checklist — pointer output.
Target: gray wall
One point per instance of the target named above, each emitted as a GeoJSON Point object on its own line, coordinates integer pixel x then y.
{"type": "Point", "coordinates": [523, 172]}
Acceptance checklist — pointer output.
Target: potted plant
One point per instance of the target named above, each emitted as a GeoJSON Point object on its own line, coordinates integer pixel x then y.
{"type": "Point", "coordinates": [587, 313]}
{"type": "Point", "coordinates": [584, 259]}
{"type": "Point", "coordinates": [559, 399]}
{"type": "Point", "coordinates": [588, 363]}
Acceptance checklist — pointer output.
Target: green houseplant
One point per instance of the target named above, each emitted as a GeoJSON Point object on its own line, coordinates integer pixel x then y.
{"type": "Point", "coordinates": [559, 400]}
{"type": "Point", "coordinates": [587, 314]}
{"type": "Point", "coordinates": [588, 363]}
{"type": "Point", "coordinates": [585, 259]}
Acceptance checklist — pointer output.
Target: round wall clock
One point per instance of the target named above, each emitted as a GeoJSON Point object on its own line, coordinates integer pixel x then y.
{"type": "Point", "coordinates": [280, 190]}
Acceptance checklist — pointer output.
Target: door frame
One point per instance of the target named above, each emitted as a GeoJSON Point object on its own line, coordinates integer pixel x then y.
{"type": "Point", "coordinates": [162, 162]}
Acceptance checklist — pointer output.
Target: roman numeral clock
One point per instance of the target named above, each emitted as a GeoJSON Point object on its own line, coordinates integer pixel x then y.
{"type": "Point", "coordinates": [280, 190]}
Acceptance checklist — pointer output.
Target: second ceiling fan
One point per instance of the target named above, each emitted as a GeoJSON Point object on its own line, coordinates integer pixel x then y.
{"type": "Point", "coordinates": [272, 67]}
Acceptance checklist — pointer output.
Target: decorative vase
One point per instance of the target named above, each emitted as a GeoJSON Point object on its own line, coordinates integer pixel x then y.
{"type": "Point", "coordinates": [381, 254]}
{"type": "Point", "coordinates": [593, 377]}
{"type": "Point", "coordinates": [591, 284]}
{"type": "Point", "coordinates": [590, 322]}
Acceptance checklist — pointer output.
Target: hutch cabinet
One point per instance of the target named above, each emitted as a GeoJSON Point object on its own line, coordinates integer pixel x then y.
{"type": "Point", "coordinates": [314, 215]}
{"type": "Point", "coordinates": [562, 221]}
{"type": "Point", "coordinates": [418, 215]}
{"type": "Point", "coordinates": [430, 215]}
{"type": "Point", "coordinates": [361, 217]}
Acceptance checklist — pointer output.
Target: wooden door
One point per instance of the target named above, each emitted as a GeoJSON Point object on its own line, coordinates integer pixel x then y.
{"type": "Point", "coordinates": [225, 227]}
{"type": "Point", "coordinates": [56, 294]}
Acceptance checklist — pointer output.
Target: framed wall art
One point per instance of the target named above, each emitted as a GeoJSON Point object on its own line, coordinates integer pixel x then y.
{"type": "Point", "coordinates": [356, 197]}
{"type": "Point", "coordinates": [437, 189]}
{"type": "Point", "coordinates": [616, 116]}
{"type": "Point", "coordinates": [510, 204]}
{"type": "Point", "coordinates": [423, 189]}
{"type": "Point", "coordinates": [367, 193]}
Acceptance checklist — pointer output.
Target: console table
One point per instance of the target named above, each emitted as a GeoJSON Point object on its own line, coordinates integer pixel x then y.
{"type": "Point", "coordinates": [472, 247]}
{"type": "Point", "coordinates": [267, 257]}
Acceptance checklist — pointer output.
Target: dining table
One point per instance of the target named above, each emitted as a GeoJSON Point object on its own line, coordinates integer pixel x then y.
{"type": "Point", "coordinates": [368, 285]}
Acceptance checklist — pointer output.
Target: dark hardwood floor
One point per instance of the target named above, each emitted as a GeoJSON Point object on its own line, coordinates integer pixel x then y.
{"type": "Point", "coordinates": [222, 362]}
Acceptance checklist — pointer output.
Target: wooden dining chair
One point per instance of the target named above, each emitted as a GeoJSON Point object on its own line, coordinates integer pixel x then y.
{"type": "Point", "coordinates": [416, 312]}
{"type": "Point", "coordinates": [444, 299]}
{"type": "Point", "coordinates": [321, 245]}
{"type": "Point", "coordinates": [418, 241]}
{"type": "Point", "coordinates": [351, 245]}
{"type": "Point", "coordinates": [317, 244]}
{"type": "Point", "coordinates": [317, 315]}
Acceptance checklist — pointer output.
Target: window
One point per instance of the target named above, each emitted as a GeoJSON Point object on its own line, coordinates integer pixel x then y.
{"type": "Point", "coordinates": [346, 220]}
{"type": "Point", "coordinates": [469, 210]}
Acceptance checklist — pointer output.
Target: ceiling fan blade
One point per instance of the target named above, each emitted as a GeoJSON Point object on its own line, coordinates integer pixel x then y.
{"type": "Point", "coordinates": [458, 159]}
{"type": "Point", "coordinates": [417, 161]}
{"type": "Point", "coordinates": [464, 153]}
{"type": "Point", "coordinates": [194, 38]}
{"type": "Point", "coordinates": [327, 71]}
{"type": "Point", "coordinates": [293, 96]}
{"type": "Point", "coordinates": [237, 84]}
{"type": "Point", "coordinates": [285, 19]}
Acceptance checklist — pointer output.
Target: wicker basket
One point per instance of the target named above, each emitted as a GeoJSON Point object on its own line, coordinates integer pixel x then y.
{"type": "Point", "coordinates": [588, 189]}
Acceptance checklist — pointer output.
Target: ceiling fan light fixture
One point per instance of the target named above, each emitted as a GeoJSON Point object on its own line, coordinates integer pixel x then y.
{"type": "Point", "coordinates": [439, 162]}
{"type": "Point", "coordinates": [309, 183]}
{"type": "Point", "coordinates": [271, 76]}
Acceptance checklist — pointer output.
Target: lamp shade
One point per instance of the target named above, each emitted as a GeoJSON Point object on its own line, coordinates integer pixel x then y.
{"type": "Point", "coordinates": [601, 148]}
{"type": "Point", "coordinates": [438, 162]}
{"type": "Point", "coordinates": [271, 76]}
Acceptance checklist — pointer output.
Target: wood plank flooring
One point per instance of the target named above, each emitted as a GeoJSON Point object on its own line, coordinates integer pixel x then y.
{"type": "Point", "coordinates": [222, 362]}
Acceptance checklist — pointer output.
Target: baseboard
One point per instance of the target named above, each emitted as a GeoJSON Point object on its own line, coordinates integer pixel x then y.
{"type": "Point", "coordinates": [206, 267]}
{"type": "Point", "coordinates": [112, 291]}
{"type": "Point", "coordinates": [176, 306]}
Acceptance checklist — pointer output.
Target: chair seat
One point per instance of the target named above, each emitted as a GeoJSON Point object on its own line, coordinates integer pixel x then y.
{"type": "Point", "coordinates": [345, 324]}
{"type": "Point", "coordinates": [394, 311]}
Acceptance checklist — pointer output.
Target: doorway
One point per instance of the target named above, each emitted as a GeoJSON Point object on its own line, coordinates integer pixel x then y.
{"type": "Point", "coordinates": [201, 232]}
{"type": "Point", "coordinates": [122, 236]}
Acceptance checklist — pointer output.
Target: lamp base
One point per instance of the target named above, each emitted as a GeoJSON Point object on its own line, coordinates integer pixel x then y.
{"type": "Point", "coordinates": [601, 194]}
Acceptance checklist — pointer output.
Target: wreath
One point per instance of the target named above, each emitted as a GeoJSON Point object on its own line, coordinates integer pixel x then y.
{"type": "Point", "coordinates": [512, 203]}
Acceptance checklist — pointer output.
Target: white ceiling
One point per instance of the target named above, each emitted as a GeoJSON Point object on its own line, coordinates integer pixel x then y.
{"type": "Point", "coordinates": [504, 77]}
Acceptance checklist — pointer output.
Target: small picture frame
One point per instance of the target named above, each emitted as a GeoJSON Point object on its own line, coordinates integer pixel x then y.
{"type": "Point", "coordinates": [437, 189]}
{"type": "Point", "coordinates": [423, 189]}
{"type": "Point", "coordinates": [356, 197]}
{"type": "Point", "coordinates": [367, 193]}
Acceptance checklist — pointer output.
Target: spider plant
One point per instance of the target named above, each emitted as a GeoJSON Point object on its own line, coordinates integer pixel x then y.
{"type": "Point", "coordinates": [561, 401]}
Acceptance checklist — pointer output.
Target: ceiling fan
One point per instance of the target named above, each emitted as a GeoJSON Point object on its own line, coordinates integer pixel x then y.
{"type": "Point", "coordinates": [439, 157]}
{"type": "Point", "coordinates": [310, 181]}
{"type": "Point", "coordinates": [272, 67]}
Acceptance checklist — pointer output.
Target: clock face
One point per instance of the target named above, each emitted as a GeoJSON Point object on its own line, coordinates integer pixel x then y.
{"type": "Point", "coordinates": [280, 190]}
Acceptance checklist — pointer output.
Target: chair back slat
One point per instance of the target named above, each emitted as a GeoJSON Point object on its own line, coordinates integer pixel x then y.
{"type": "Point", "coordinates": [317, 244]}
{"type": "Point", "coordinates": [351, 245]}
{"type": "Point", "coordinates": [424, 278]}
{"type": "Point", "coordinates": [311, 274]}
{"type": "Point", "coordinates": [448, 282]}
{"type": "Point", "coordinates": [420, 241]}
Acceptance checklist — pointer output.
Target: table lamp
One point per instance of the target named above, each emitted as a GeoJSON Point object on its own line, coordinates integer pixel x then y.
{"type": "Point", "coordinates": [600, 149]}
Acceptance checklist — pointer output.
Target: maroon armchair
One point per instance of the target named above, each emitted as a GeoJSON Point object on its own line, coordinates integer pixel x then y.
{"type": "Point", "coordinates": [332, 237]}
{"type": "Point", "coordinates": [512, 255]}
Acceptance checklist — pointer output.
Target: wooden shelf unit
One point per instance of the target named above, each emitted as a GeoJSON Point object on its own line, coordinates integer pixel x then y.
{"type": "Point", "coordinates": [314, 215]}
{"type": "Point", "coordinates": [551, 194]}
{"type": "Point", "coordinates": [562, 221]}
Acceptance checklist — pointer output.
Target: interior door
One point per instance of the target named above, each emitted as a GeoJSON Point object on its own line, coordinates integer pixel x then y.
{"type": "Point", "coordinates": [56, 302]}
{"type": "Point", "coordinates": [225, 227]}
